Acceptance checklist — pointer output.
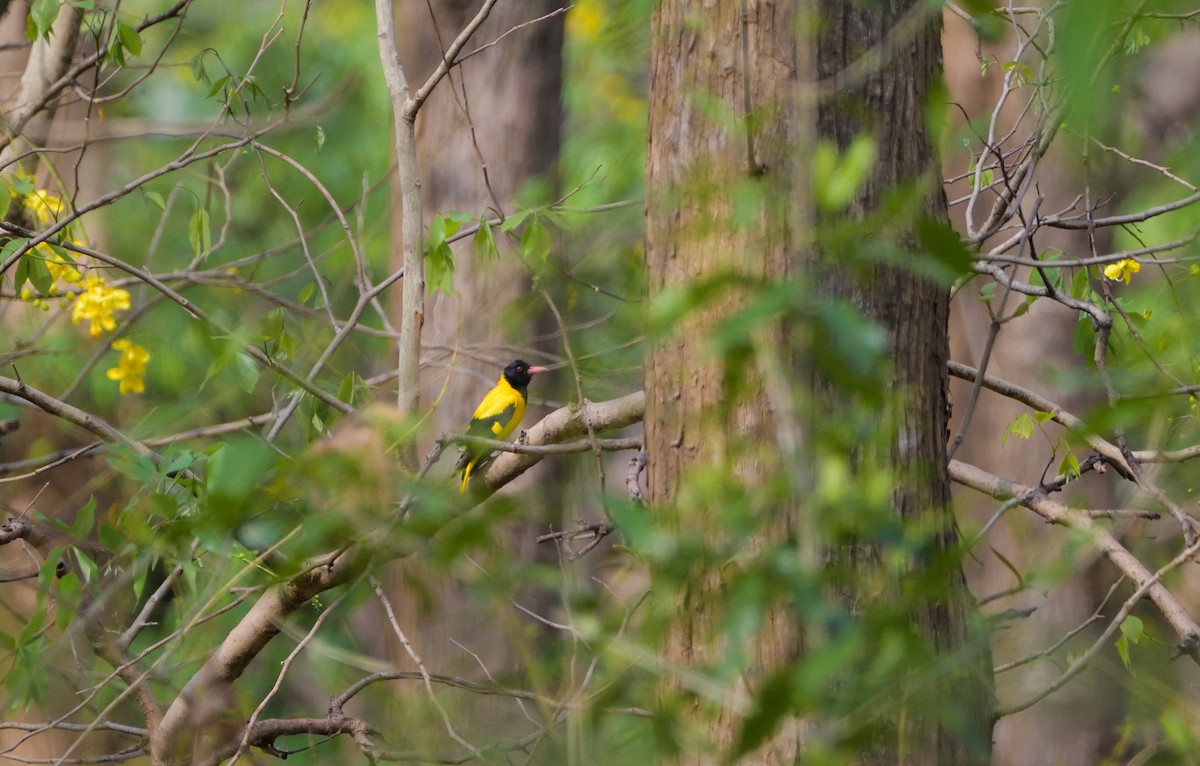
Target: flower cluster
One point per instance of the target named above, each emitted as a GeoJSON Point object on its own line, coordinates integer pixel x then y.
{"type": "Point", "coordinates": [59, 268]}
{"type": "Point", "coordinates": [97, 303]}
{"type": "Point", "coordinates": [45, 206]}
{"type": "Point", "coordinates": [96, 300]}
{"type": "Point", "coordinates": [1123, 269]}
{"type": "Point", "coordinates": [131, 367]}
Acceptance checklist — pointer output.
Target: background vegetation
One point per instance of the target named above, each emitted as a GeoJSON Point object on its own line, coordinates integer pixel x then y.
{"type": "Point", "coordinates": [232, 527]}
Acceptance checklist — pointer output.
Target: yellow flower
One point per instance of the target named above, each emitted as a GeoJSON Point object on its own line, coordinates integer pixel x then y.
{"type": "Point", "coordinates": [97, 303]}
{"type": "Point", "coordinates": [131, 367]}
{"type": "Point", "coordinates": [586, 20]}
{"type": "Point", "coordinates": [45, 206]}
{"type": "Point", "coordinates": [58, 266]}
{"type": "Point", "coordinates": [1122, 269]}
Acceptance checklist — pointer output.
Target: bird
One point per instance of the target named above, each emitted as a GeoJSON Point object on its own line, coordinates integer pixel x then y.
{"type": "Point", "coordinates": [499, 414]}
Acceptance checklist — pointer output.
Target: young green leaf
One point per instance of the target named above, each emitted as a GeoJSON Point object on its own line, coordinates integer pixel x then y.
{"type": "Point", "coordinates": [130, 39]}
{"type": "Point", "coordinates": [1133, 628]}
{"type": "Point", "coordinates": [1021, 427]}
{"type": "Point", "coordinates": [535, 243]}
{"type": "Point", "coordinates": [84, 519]}
{"type": "Point", "coordinates": [1069, 465]}
{"type": "Point", "coordinates": [836, 179]}
{"type": "Point", "coordinates": [485, 241]}
{"type": "Point", "coordinates": [39, 275]}
{"type": "Point", "coordinates": [199, 235]}
{"type": "Point", "coordinates": [439, 269]}
{"type": "Point", "coordinates": [41, 17]}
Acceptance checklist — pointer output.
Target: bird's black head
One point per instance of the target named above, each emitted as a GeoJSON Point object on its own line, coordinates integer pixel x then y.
{"type": "Point", "coordinates": [518, 373]}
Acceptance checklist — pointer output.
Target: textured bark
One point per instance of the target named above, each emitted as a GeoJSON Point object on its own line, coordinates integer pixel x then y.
{"type": "Point", "coordinates": [695, 162]}
{"type": "Point", "coordinates": [889, 102]}
{"type": "Point", "coordinates": [698, 154]}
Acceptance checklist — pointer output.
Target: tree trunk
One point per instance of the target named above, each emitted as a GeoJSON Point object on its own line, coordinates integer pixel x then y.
{"type": "Point", "coordinates": [693, 423]}
{"type": "Point", "coordinates": [476, 152]}
{"type": "Point", "coordinates": [889, 103]}
{"type": "Point", "coordinates": [730, 97]}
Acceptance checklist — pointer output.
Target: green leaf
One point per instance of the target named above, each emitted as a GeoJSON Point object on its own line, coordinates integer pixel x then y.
{"type": "Point", "coordinates": [39, 275]}
{"type": "Point", "coordinates": [199, 73]}
{"type": "Point", "coordinates": [514, 220]}
{"type": "Point", "coordinates": [351, 388]}
{"type": "Point", "coordinates": [130, 39]}
{"type": "Point", "coordinates": [535, 243]}
{"type": "Point", "coordinates": [21, 184]}
{"type": "Point", "coordinates": [37, 619]}
{"type": "Point", "coordinates": [84, 519]}
{"type": "Point", "coordinates": [67, 599]}
{"type": "Point", "coordinates": [320, 138]}
{"type": "Point", "coordinates": [235, 475]}
{"type": "Point", "coordinates": [138, 467]}
{"type": "Point", "coordinates": [217, 85]}
{"type": "Point", "coordinates": [437, 233]}
{"type": "Point", "coordinates": [1021, 427]}
{"type": "Point", "coordinates": [485, 241]}
{"type": "Point", "coordinates": [157, 199]}
{"type": "Point", "coordinates": [1133, 628]}
{"type": "Point", "coordinates": [951, 255]}
{"type": "Point", "coordinates": [86, 565]}
{"type": "Point", "coordinates": [41, 17]}
{"type": "Point", "coordinates": [307, 292]}
{"type": "Point", "coordinates": [770, 707]}
{"type": "Point", "coordinates": [1080, 285]}
{"type": "Point", "coordinates": [1042, 417]}
{"type": "Point", "coordinates": [199, 235]}
{"type": "Point", "coordinates": [1136, 40]}
{"type": "Point", "coordinates": [439, 269]}
{"type": "Point", "coordinates": [836, 179]}
{"type": "Point", "coordinates": [21, 273]}
{"type": "Point", "coordinates": [1123, 651]}
{"type": "Point", "coordinates": [1069, 465]}
{"type": "Point", "coordinates": [139, 580]}
{"type": "Point", "coordinates": [110, 536]}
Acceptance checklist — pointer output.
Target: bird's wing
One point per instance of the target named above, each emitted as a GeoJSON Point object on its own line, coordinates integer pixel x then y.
{"type": "Point", "coordinates": [497, 425]}
{"type": "Point", "coordinates": [498, 414]}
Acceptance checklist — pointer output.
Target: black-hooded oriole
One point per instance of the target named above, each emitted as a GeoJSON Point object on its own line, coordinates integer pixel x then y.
{"type": "Point", "coordinates": [499, 414]}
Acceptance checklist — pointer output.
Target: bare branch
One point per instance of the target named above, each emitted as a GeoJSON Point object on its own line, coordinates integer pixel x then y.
{"type": "Point", "coordinates": [569, 422]}
{"type": "Point", "coordinates": [1186, 629]}
{"type": "Point", "coordinates": [73, 414]}
{"type": "Point", "coordinates": [413, 105]}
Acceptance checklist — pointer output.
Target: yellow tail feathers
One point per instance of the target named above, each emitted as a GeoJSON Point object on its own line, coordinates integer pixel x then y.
{"type": "Point", "coordinates": [466, 475]}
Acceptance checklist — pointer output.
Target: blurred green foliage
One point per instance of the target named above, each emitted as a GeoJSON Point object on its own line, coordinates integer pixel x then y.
{"type": "Point", "coordinates": [234, 514]}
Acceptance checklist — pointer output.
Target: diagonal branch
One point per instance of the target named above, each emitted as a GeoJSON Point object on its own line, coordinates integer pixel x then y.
{"type": "Point", "coordinates": [571, 422]}
{"type": "Point", "coordinates": [73, 414]}
{"type": "Point", "coordinates": [1186, 629]}
{"type": "Point", "coordinates": [263, 622]}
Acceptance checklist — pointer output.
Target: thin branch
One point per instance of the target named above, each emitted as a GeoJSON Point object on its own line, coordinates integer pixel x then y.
{"type": "Point", "coordinates": [73, 414]}
{"type": "Point", "coordinates": [1186, 629]}
{"type": "Point", "coordinates": [414, 103]}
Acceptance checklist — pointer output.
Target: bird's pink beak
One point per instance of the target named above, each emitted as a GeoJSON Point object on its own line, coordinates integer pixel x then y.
{"type": "Point", "coordinates": [535, 370]}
